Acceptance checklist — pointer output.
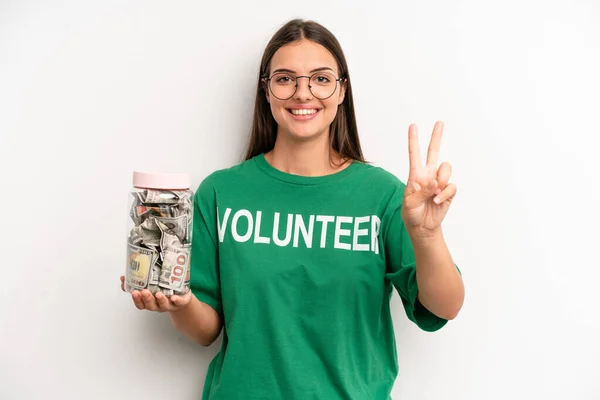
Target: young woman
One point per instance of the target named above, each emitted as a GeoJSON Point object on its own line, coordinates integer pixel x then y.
{"type": "Point", "coordinates": [297, 249]}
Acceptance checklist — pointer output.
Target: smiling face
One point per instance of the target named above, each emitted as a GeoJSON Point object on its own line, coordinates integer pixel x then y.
{"type": "Point", "coordinates": [304, 116]}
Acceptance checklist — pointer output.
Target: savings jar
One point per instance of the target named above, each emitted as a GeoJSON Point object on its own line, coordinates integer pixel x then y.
{"type": "Point", "coordinates": [159, 233]}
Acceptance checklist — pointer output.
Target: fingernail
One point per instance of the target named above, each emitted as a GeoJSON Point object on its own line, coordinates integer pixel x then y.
{"type": "Point", "coordinates": [437, 200]}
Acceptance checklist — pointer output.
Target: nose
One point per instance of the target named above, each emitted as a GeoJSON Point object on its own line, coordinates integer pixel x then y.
{"type": "Point", "coordinates": [303, 89]}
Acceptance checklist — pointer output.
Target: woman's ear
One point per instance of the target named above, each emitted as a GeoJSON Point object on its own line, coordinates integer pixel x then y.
{"type": "Point", "coordinates": [342, 95]}
{"type": "Point", "coordinates": [263, 83]}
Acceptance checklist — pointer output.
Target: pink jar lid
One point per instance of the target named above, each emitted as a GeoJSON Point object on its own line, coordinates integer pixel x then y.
{"type": "Point", "coordinates": [147, 180]}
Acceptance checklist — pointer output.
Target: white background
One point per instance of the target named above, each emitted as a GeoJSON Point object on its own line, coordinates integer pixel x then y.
{"type": "Point", "coordinates": [90, 91]}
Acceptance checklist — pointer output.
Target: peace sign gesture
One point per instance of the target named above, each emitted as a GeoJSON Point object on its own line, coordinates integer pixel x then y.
{"type": "Point", "coordinates": [428, 194]}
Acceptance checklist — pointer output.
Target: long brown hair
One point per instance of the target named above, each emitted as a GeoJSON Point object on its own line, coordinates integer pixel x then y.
{"type": "Point", "coordinates": [343, 132]}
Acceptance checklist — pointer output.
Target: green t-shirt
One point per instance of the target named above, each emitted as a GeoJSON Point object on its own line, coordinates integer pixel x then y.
{"type": "Point", "coordinates": [302, 270]}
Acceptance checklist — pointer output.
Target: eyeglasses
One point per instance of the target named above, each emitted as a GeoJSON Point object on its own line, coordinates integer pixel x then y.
{"type": "Point", "coordinates": [284, 85]}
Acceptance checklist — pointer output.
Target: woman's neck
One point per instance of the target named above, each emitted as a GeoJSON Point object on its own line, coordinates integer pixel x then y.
{"type": "Point", "coordinates": [305, 157]}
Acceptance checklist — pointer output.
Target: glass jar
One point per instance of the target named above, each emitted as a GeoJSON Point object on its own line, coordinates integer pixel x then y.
{"type": "Point", "coordinates": [159, 233]}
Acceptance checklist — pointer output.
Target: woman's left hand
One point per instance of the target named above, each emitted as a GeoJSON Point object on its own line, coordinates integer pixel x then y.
{"type": "Point", "coordinates": [428, 194]}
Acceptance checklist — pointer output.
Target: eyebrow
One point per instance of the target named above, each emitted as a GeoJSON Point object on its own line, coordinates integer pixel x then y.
{"type": "Point", "coordinates": [293, 72]}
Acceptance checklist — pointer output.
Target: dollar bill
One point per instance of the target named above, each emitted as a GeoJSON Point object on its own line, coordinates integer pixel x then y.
{"type": "Point", "coordinates": [188, 210]}
{"type": "Point", "coordinates": [177, 226]}
{"type": "Point", "coordinates": [159, 203]}
{"type": "Point", "coordinates": [140, 262]}
{"type": "Point", "coordinates": [174, 271]}
{"type": "Point", "coordinates": [149, 237]}
{"type": "Point", "coordinates": [140, 196]}
{"type": "Point", "coordinates": [134, 238]}
{"type": "Point", "coordinates": [143, 211]}
{"type": "Point", "coordinates": [150, 224]}
{"type": "Point", "coordinates": [168, 238]}
{"type": "Point", "coordinates": [153, 278]}
{"type": "Point", "coordinates": [187, 248]}
{"type": "Point", "coordinates": [132, 212]}
{"type": "Point", "coordinates": [167, 196]}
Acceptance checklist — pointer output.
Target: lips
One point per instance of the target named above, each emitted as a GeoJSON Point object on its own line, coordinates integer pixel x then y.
{"type": "Point", "coordinates": [303, 114]}
{"type": "Point", "coordinates": [303, 111]}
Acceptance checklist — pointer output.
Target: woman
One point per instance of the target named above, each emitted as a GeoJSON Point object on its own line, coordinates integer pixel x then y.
{"type": "Point", "coordinates": [296, 250]}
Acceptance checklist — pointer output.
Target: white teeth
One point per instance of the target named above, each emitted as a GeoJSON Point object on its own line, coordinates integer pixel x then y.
{"type": "Point", "coordinates": [303, 111]}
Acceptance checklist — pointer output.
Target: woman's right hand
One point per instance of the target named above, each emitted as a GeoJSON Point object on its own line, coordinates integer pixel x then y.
{"type": "Point", "coordinates": [145, 300]}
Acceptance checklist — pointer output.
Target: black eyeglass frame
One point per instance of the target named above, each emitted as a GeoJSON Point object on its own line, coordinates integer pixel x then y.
{"type": "Point", "coordinates": [268, 80]}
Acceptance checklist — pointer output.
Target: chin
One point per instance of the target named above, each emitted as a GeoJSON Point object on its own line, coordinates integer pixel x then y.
{"type": "Point", "coordinates": [305, 134]}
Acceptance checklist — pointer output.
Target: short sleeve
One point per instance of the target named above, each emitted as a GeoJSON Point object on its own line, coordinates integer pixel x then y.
{"type": "Point", "coordinates": [204, 257]}
{"type": "Point", "coordinates": [401, 266]}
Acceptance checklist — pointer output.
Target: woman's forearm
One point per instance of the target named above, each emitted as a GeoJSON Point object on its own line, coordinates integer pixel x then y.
{"type": "Point", "coordinates": [198, 321]}
{"type": "Point", "coordinates": [440, 284]}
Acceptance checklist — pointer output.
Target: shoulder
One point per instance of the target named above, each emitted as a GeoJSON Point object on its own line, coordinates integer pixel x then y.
{"type": "Point", "coordinates": [380, 177]}
{"type": "Point", "coordinates": [223, 176]}
{"type": "Point", "coordinates": [383, 184]}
